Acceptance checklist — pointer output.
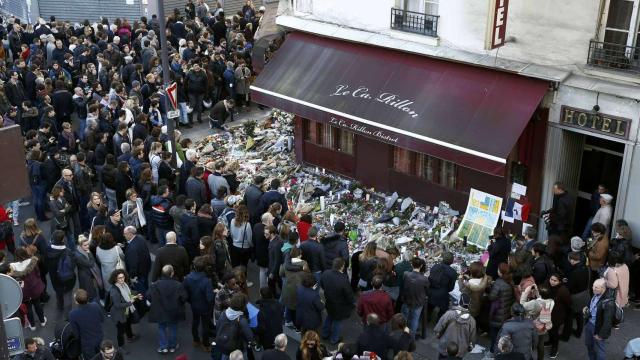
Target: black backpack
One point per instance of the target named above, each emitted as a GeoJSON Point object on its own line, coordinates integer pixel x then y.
{"type": "Point", "coordinates": [67, 343]}
{"type": "Point", "coordinates": [228, 338]}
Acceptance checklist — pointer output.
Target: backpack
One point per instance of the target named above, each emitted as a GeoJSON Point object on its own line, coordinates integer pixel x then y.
{"type": "Point", "coordinates": [66, 344]}
{"type": "Point", "coordinates": [228, 338]}
{"type": "Point", "coordinates": [543, 322]}
{"type": "Point", "coordinates": [6, 230]}
{"type": "Point", "coordinates": [224, 217]}
{"type": "Point", "coordinates": [65, 267]}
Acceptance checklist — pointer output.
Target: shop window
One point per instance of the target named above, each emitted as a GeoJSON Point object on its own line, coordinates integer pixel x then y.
{"type": "Point", "coordinates": [427, 167]}
{"type": "Point", "coordinates": [329, 137]}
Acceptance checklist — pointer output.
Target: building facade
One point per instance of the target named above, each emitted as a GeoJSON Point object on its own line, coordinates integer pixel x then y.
{"type": "Point", "coordinates": [574, 116]}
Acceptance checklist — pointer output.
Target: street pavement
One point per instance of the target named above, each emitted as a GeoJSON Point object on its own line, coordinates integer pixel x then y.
{"type": "Point", "coordinates": [145, 347]}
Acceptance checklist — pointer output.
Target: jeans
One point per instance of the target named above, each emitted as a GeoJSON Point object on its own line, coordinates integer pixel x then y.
{"type": "Point", "coordinates": [184, 115]}
{"type": "Point", "coordinates": [83, 126]}
{"type": "Point", "coordinates": [597, 349]}
{"type": "Point", "coordinates": [161, 236]}
{"type": "Point", "coordinates": [38, 198]}
{"type": "Point", "coordinates": [34, 305]}
{"type": "Point", "coordinates": [493, 335]}
{"type": "Point", "coordinates": [195, 100]}
{"type": "Point", "coordinates": [111, 199]}
{"type": "Point", "coordinates": [264, 280]}
{"type": "Point", "coordinates": [317, 275]}
{"type": "Point", "coordinates": [205, 320]}
{"type": "Point", "coordinates": [586, 233]}
{"type": "Point", "coordinates": [167, 335]}
{"type": "Point", "coordinates": [412, 314]}
{"type": "Point", "coordinates": [331, 329]}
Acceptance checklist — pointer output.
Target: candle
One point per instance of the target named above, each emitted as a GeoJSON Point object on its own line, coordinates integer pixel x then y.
{"type": "Point", "coordinates": [323, 170]}
{"type": "Point", "coordinates": [321, 203]}
{"type": "Point", "coordinates": [330, 193]}
{"type": "Point", "coordinates": [367, 197]}
{"type": "Point", "coordinates": [317, 169]}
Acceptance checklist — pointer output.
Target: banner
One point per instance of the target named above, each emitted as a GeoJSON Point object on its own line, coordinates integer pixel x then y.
{"type": "Point", "coordinates": [481, 217]}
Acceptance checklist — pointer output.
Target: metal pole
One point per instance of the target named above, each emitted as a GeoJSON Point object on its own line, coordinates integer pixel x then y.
{"type": "Point", "coordinates": [166, 72]}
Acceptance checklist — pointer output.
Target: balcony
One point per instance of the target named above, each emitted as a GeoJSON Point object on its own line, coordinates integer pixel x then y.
{"type": "Point", "coordinates": [414, 22]}
{"type": "Point", "coordinates": [614, 56]}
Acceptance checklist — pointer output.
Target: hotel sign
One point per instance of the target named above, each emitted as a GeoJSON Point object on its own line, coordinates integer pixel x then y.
{"type": "Point", "coordinates": [595, 122]}
{"type": "Point", "coordinates": [496, 24]}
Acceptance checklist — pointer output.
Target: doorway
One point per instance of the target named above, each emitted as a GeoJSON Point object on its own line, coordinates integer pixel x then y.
{"type": "Point", "coordinates": [601, 164]}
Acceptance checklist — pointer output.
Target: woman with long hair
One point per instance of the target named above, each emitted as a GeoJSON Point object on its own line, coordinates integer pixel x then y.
{"type": "Point", "coordinates": [561, 312]}
{"type": "Point", "coordinates": [32, 239]}
{"type": "Point", "coordinates": [311, 348]}
{"type": "Point", "coordinates": [368, 261]}
{"type": "Point", "coordinates": [241, 235]}
{"type": "Point", "coordinates": [220, 249]}
{"type": "Point", "coordinates": [130, 215]}
{"type": "Point", "coordinates": [122, 305]}
{"type": "Point", "coordinates": [93, 207]}
{"type": "Point", "coordinates": [60, 208]}
{"type": "Point", "coordinates": [25, 269]}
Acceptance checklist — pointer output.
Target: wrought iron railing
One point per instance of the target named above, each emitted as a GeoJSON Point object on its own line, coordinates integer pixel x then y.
{"type": "Point", "coordinates": [614, 56]}
{"type": "Point", "coordinates": [415, 22]}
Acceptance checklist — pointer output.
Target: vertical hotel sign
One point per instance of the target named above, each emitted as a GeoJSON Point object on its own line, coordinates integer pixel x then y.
{"type": "Point", "coordinates": [496, 24]}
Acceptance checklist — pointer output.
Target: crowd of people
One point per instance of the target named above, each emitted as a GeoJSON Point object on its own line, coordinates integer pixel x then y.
{"type": "Point", "coordinates": [92, 110]}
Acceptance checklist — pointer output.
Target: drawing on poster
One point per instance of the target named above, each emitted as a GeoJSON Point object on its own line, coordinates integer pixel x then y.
{"type": "Point", "coordinates": [481, 217]}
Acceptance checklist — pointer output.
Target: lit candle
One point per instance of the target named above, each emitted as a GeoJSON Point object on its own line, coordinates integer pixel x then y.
{"type": "Point", "coordinates": [367, 197]}
{"type": "Point", "coordinates": [321, 203]}
{"type": "Point", "coordinates": [323, 170]}
{"type": "Point", "coordinates": [317, 169]}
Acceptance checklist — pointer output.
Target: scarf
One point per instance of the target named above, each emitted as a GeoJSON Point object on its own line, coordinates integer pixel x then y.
{"type": "Point", "coordinates": [232, 314]}
{"type": "Point", "coordinates": [126, 295]}
{"type": "Point", "coordinates": [71, 138]}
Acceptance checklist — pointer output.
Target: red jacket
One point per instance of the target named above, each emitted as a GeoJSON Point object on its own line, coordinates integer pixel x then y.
{"type": "Point", "coordinates": [375, 301]}
{"type": "Point", "coordinates": [4, 217]}
{"type": "Point", "coordinates": [303, 230]}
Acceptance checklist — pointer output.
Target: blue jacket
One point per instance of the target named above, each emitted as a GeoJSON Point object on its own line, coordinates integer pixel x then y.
{"type": "Point", "coordinates": [137, 258]}
{"type": "Point", "coordinates": [270, 197]}
{"type": "Point", "coordinates": [87, 320]}
{"type": "Point", "coordinates": [190, 233]}
{"type": "Point", "coordinates": [160, 212]}
{"type": "Point", "coordinates": [199, 292]}
{"type": "Point", "coordinates": [309, 309]}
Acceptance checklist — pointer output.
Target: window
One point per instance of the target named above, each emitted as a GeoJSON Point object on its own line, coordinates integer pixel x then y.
{"type": "Point", "coordinates": [329, 137]}
{"type": "Point", "coordinates": [427, 167]}
{"type": "Point", "coordinates": [431, 7]}
{"type": "Point", "coordinates": [621, 23]}
{"type": "Point", "coordinates": [420, 6]}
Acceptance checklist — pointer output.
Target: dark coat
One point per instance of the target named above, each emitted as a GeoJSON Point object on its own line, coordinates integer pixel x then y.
{"type": "Point", "coordinates": [313, 254]}
{"type": "Point", "coordinates": [167, 297]}
{"type": "Point", "coordinates": [54, 253]}
{"type": "Point", "coordinates": [174, 255]}
{"type": "Point", "coordinates": [275, 256]}
{"type": "Point", "coordinates": [252, 200]}
{"type": "Point", "coordinates": [523, 335]}
{"type": "Point", "coordinates": [200, 292]}
{"type": "Point", "coordinates": [270, 197]}
{"type": "Point", "coordinates": [498, 253]}
{"type": "Point", "coordinates": [62, 102]}
{"type": "Point", "coordinates": [86, 279]}
{"type": "Point", "coordinates": [195, 189]}
{"type": "Point", "coordinates": [501, 297]}
{"type": "Point", "coordinates": [185, 174]}
{"type": "Point", "coordinates": [335, 245]}
{"type": "Point", "coordinates": [87, 320]}
{"type": "Point", "coordinates": [190, 233]}
{"type": "Point", "coordinates": [275, 354]}
{"type": "Point", "coordinates": [415, 289]}
{"type": "Point", "coordinates": [561, 304]}
{"type": "Point", "coordinates": [309, 308]}
{"type": "Point", "coordinates": [270, 320]}
{"type": "Point", "coordinates": [374, 338]}
{"type": "Point", "coordinates": [261, 245]}
{"type": "Point", "coordinates": [560, 213]}
{"type": "Point", "coordinates": [606, 309]}
{"type": "Point", "coordinates": [338, 294]}
{"type": "Point", "coordinates": [442, 280]}
{"type": "Point", "coordinates": [137, 258]}
{"type": "Point", "coordinates": [118, 306]}
{"type": "Point", "coordinates": [542, 269]}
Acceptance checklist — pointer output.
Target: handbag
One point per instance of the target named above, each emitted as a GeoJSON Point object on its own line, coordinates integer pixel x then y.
{"type": "Point", "coordinates": [61, 224]}
{"type": "Point", "coordinates": [120, 265]}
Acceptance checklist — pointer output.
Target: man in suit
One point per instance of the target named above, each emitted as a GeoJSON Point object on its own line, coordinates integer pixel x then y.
{"type": "Point", "coordinates": [171, 254]}
{"type": "Point", "coordinates": [137, 259]}
{"type": "Point", "coordinates": [87, 321]}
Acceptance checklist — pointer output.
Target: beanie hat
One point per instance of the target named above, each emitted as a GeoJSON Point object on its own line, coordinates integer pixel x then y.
{"type": "Point", "coordinates": [577, 243]}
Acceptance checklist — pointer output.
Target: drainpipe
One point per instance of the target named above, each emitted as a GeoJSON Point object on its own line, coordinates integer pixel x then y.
{"type": "Point", "coordinates": [599, 22]}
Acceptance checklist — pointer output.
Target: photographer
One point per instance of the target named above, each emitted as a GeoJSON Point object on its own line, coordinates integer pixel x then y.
{"type": "Point", "coordinates": [557, 219]}
{"type": "Point", "coordinates": [499, 248]}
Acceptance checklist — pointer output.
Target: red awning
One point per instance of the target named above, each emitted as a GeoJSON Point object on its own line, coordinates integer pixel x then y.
{"type": "Point", "coordinates": [469, 115]}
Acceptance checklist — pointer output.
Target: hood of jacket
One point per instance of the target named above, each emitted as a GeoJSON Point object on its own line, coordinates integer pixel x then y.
{"type": "Point", "coordinates": [23, 268]}
{"type": "Point", "coordinates": [331, 238]}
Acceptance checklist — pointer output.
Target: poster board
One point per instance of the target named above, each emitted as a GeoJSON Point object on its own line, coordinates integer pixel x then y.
{"type": "Point", "coordinates": [481, 217]}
